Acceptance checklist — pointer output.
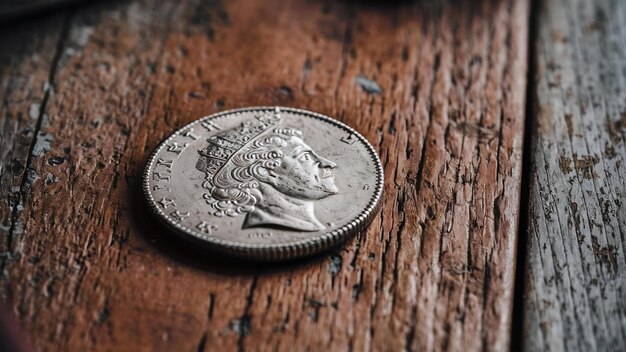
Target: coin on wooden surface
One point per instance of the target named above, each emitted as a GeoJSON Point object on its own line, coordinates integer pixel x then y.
{"type": "Point", "coordinates": [265, 183]}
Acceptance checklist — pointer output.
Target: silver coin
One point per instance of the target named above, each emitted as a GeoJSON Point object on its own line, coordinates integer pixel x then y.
{"type": "Point", "coordinates": [267, 183]}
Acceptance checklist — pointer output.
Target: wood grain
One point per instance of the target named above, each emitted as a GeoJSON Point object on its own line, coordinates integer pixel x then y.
{"type": "Point", "coordinates": [437, 87]}
{"type": "Point", "coordinates": [26, 62]}
{"type": "Point", "coordinates": [576, 278]}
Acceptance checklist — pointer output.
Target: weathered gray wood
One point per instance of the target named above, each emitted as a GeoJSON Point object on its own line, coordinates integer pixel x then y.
{"type": "Point", "coordinates": [575, 295]}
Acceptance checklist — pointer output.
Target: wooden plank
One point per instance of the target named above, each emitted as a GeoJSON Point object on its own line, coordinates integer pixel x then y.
{"type": "Point", "coordinates": [437, 87]}
{"type": "Point", "coordinates": [26, 62]}
{"type": "Point", "coordinates": [575, 297]}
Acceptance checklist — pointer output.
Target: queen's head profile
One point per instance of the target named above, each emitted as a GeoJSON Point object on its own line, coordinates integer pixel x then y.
{"type": "Point", "coordinates": [267, 173]}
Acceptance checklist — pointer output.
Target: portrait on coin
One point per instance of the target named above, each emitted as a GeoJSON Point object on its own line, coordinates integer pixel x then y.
{"type": "Point", "coordinates": [267, 173]}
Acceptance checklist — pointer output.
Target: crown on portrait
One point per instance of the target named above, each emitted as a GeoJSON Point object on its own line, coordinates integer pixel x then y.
{"type": "Point", "coordinates": [224, 145]}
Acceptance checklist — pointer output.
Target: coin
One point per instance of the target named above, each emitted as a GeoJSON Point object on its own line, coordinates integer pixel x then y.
{"type": "Point", "coordinates": [266, 183]}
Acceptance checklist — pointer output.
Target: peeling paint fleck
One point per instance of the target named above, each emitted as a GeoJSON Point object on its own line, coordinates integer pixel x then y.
{"type": "Point", "coordinates": [241, 326]}
{"type": "Point", "coordinates": [368, 85]}
{"type": "Point", "coordinates": [50, 178]}
{"type": "Point", "coordinates": [335, 264]}
{"type": "Point", "coordinates": [31, 176]}
{"type": "Point", "coordinates": [42, 145]}
{"type": "Point", "coordinates": [34, 110]}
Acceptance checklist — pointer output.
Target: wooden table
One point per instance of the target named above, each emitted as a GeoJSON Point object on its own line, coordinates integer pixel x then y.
{"type": "Point", "coordinates": [489, 237]}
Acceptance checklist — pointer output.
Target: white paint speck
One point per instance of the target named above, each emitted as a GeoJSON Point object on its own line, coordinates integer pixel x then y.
{"type": "Point", "coordinates": [33, 111]}
{"type": "Point", "coordinates": [42, 144]}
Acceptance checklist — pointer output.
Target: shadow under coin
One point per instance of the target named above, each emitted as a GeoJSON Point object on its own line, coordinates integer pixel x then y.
{"type": "Point", "coordinates": [190, 253]}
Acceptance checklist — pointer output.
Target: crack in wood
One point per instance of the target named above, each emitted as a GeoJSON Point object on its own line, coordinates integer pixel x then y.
{"type": "Point", "coordinates": [21, 193]}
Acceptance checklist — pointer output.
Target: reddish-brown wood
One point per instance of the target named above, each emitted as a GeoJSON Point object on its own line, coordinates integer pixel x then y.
{"type": "Point", "coordinates": [438, 88]}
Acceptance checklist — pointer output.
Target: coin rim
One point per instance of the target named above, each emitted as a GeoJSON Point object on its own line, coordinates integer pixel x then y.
{"type": "Point", "coordinates": [280, 251]}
